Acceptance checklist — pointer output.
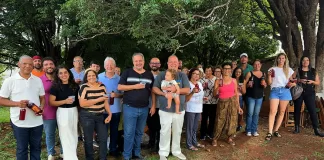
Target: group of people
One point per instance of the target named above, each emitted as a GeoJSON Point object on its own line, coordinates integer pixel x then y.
{"type": "Point", "coordinates": [165, 101]}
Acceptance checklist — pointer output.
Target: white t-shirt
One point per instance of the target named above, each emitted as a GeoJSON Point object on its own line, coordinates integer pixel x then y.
{"type": "Point", "coordinates": [195, 104]}
{"type": "Point", "coordinates": [17, 88]}
{"type": "Point", "coordinates": [280, 79]}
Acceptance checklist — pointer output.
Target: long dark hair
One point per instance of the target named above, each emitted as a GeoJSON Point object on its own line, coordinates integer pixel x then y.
{"type": "Point", "coordinates": [301, 62]}
{"type": "Point", "coordinates": [241, 78]}
{"type": "Point", "coordinates": [57, 83]}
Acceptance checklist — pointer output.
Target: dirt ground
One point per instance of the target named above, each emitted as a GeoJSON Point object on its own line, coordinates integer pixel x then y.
{"type": "Point", "coordinates": [291, 147]}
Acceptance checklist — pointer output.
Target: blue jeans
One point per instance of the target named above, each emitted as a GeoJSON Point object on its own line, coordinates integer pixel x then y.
{"type": "Point", "coordinates": [91, 122]}
{"type": "Point", "coordinates": [134, 123]}
{"type": "Point", "coordinates": [28, 136]}
{"type": "Point", "coordinates": [280, 93]}
{"type": "Point", "coordinates": [253, 110]}
{"type": "Point", "coordinates": [113, 124]}
{"type": "Point", "coordinates": [49, 129]}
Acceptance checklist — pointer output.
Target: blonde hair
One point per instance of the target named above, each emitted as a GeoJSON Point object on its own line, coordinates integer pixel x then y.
{"type": "Point", "coordinates": [173, 73]}
{"type": "Point", "coordinates": [286, 64]}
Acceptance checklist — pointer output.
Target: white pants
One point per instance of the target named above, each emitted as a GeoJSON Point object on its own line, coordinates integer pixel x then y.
{"type": "Point", "coordinates": [67, 122]}
{"type": "Point", "coordinates": [170, 120]}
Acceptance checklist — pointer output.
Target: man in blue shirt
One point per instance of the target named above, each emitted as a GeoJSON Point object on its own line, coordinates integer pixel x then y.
{"type": "Point", "coordinates": [110, 80]}
{"type": "Point", "coordinates": [77, 70]}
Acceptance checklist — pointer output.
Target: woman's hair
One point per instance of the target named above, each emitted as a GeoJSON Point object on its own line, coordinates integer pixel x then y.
{"type": "Point", "coordinates": [85, 78]}
{"type": "Point", "coordinates": [191, 71]}
{"type": "Point", "coordinates": [286, 65]}
{"type": "Point", "coordinates": [241, 78]}
{"type": "Point", "coordinates": [256, 60]}
{"type": "Point", "coordinates": [173, 73]}
{"type": "Point", "coordinates": [57, 82]}
{"type": "Point", "coordinates": [301, 62]}
{"type": "Point", "coordinates": [226, 64]}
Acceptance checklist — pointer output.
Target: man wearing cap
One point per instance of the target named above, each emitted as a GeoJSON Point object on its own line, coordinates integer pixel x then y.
{"type": "Point", "coordinates": [37, 63]}
{"type": "Point", "coordinates": [244, 64]}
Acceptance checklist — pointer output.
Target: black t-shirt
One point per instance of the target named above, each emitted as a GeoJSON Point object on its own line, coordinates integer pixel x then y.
{"type": "Point", "coordinates": [64, 93]}
{"type": "Point", "coordinates": [138, 98]}
{"type": "Point", "coordinates": [309, 75]}
{"type": "Point", "coordinates": [256, 91]}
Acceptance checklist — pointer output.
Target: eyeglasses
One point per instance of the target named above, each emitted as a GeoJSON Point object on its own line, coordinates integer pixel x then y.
{"type": "Point", "coordinates": [80, 61]}
{"type": "Point", "coordinates": [196, 73]}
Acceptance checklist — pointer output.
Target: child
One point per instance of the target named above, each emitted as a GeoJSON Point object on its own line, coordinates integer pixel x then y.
{"type": "Point", "coordinates": [170, 76]}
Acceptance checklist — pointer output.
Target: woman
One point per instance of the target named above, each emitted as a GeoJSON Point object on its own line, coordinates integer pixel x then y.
{"type": "Point", "coordinates": [228, 105]}
{"type": "Point", "coordinates": [255, 84]}
{"type": "Point", "coordinates": [309, 78]}
{"type": "Point", "coordinates": [218, 72]}
{"type": "Point", "coordinates": [209, 105]}
{"type": "Point", "coordinates": [278, 78]}
{"type": "Point", "coordinates": [63, 94]}
{"type": "Point", "coordinates": [93, 103]}
{"type": "Point", "coordinates": [194, 108]}
{"type": "Point", "coordinates": [238, 75]}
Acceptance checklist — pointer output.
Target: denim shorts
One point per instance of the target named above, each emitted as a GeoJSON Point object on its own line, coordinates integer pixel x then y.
{"type": "Point", "coordinates": [280, 93]}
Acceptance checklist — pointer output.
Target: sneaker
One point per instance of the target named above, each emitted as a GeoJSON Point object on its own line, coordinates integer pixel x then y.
{"type": "Point", "coordinates": [203, 138]}
{"type": "Point", "coordinates": [50, 157]}
{"type": "Point", "coordinates": [255, 134]}
{"type": "Point", "coordinates": [139, 157]}
{"type": "Point", "coordinates": [181, 156]}
{"type": "Point", "coordinates": [238, 128]}
{"type": "Point", "coordinates": [163, 158]}
{"type": "Point", "coordinates": [249, 134]}
{"type": "Point", "coordinates": [95, 144]}
{"type": "Point", "coordinates": [210, 137]}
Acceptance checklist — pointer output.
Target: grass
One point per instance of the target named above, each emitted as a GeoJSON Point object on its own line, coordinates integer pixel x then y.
{"type": "Point", "coordinates": [4, 114]}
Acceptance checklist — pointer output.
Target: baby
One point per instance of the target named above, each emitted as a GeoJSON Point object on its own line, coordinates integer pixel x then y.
{"type": "Point", "coordinates": [170, 76]}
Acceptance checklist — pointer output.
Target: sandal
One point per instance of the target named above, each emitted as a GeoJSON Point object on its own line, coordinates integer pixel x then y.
{"type": "Point", "coordinates": [193, 148]}
{"type": "Point", "coordinates": [200, 145]}
{"type": "Point", "coordinates": [214, 143]}
{"type": "Point", "coordinates": [231, 142]}
{"type": "Point", "coordinates": [277, 134]}
{"type": "Point", "coordinates": [268, 137]}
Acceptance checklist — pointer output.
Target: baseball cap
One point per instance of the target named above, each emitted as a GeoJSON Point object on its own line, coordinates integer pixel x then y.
{"type": "Point", "coordinates": [37, 57]}
{"type": "Point", "coordinates": [243, 54]}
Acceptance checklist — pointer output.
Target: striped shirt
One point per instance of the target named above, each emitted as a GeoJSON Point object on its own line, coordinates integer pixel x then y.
{"type": "Point", "coordinates": [88, 93]}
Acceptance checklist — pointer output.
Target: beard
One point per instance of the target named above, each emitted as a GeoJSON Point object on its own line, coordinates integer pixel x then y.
{"type": "Point", "coordinates": [38, 66]}
{"type": "Point", "coordinates": [154, 69]}
{"type": "Point", "coordinates": [49, 71]}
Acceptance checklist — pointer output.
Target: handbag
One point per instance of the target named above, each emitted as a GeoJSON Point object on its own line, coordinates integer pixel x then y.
{"type": "Point", "coordinates": [297, 90]}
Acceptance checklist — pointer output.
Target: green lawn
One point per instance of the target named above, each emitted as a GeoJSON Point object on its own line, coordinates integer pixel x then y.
{"type": "Point", "coordinates": [4, 114]}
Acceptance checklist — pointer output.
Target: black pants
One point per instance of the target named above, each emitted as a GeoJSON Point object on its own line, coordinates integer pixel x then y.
{"type": "Point", "coordinates": [209, 113]}
{"type": "Point", "coordinates": [94, 122]}
{"type": "Point", "coordinates": [153, 123]}
{"type": "Point", "coordinates": [309, 100]}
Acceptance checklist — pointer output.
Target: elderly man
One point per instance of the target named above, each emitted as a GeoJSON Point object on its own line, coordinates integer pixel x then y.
{"type": "Point", "coordinates": [37, 63]}
{"type": "Point", "coordinates": [17, 92]}
{"type": "Point", "coordinates": [110, 80]}
{"type": "Point", "coordinates": [168, 118]}
{"type": "Point", "coordinates": [77, 70]}
{"type": "Point", "coordinates": [137, 84]}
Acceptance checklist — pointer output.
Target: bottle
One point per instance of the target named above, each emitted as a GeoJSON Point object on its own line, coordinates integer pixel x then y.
{"type": "Point", "coordinates": [220, 83]}
{"type": "Point", "coordinates": [34, 108]}
{"type": "Point", "coordinates": [251, 82]}
{"type": "Point", "coordinates": [197, 86]}
{"type": "Point", "coordinates": [111, 99]}
{"type": "Point", "coordinates": [22, 114]}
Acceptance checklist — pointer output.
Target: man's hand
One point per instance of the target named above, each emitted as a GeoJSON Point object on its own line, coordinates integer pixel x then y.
{"type": "Point", "coordinates": [22, 103]}
{"type": "Point", "coordinates": [152, 111]}
{"type": "Point", "coordinates": [172, 89]}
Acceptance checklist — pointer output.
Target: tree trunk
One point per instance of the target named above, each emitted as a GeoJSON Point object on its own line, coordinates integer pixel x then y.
{"type": "Point", "coordinates": [320, 47]}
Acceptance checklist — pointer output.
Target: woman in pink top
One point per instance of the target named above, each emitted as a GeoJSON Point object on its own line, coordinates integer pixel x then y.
{"type": "Point", "coordinates": [228, 105]}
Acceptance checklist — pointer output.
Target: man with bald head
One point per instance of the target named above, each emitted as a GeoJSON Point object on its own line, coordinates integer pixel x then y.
{"type": "Point", "coordinates": [17, 92]}
{"type": "Point", "coordinates": [168, 118]}
{"type": "Point", "coordinates": [77, 70]}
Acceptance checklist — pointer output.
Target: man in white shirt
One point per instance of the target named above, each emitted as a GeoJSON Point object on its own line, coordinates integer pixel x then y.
{"type": "Point", "coordinates": [16, 92]}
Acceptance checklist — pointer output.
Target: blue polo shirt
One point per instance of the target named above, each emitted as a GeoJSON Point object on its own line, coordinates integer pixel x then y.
{"type": "Point", "coordinates": [111, 85]}
{"type": "Point", "coordinates": [77, 75]}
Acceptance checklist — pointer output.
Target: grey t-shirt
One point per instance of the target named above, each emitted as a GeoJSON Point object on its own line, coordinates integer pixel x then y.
{"type": "Point", "coordinates": [182, 81]}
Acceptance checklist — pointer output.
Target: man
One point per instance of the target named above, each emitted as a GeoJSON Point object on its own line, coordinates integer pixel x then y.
{"type": "Point", "coordinates": [117, 71]}
{"type": "Point", "coordinates": [234, 65]}
{"type": "Point", "coordinates": [17, 92]}
{"type": "Point", "coordinates": [49, 113]}
{"type": "Point", "coordinates": [95, 66]}
{"type": "Point", "coordinates": [180, 66]}
{"type": "Point", "coordinates": [110, 80]}
{"type": "Point", "coordinates": [37, 63]}
{"type": "Point", "coordinates": [136, 83]}
{"type": "Point", "coordinates": [168, 118]}
{"type": "Point", "coordinates": [244, 64]}
{"type": "Point", "coordinates": [153, 122]}
{"type": "Point", "coordinates": [77, 70]}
